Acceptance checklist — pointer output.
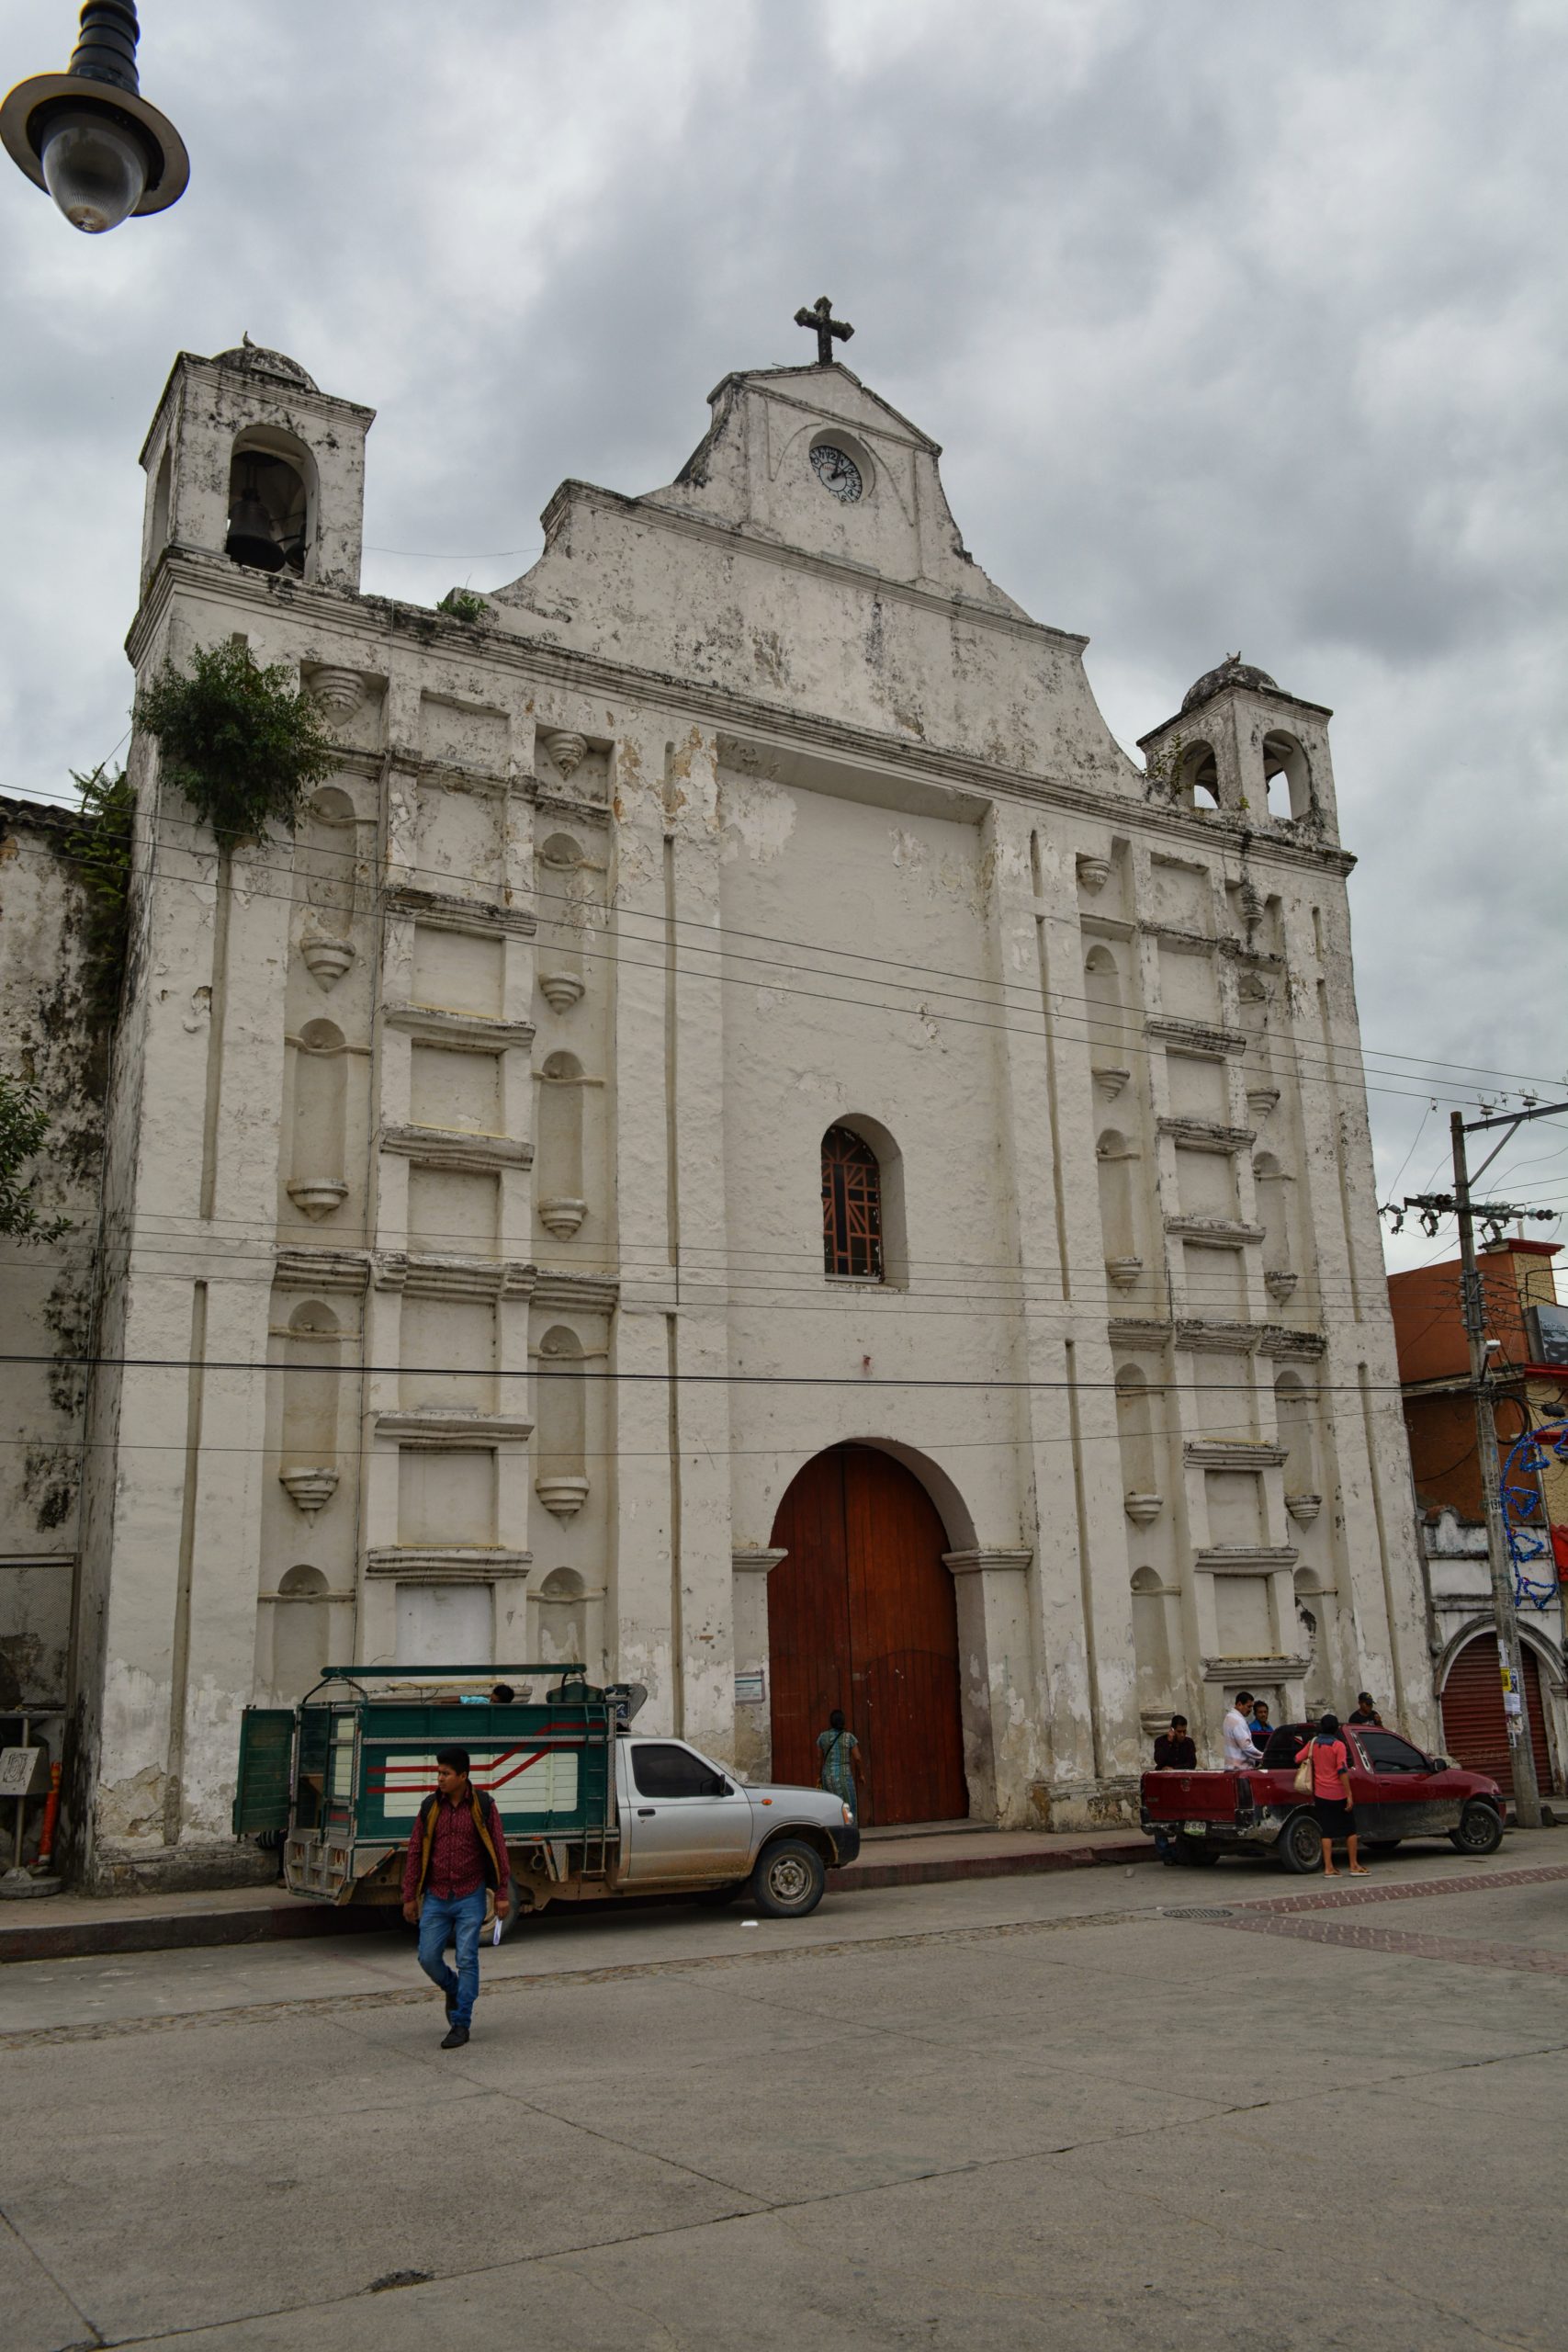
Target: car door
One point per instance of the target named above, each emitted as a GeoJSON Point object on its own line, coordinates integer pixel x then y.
{"type": "Point", "coordinates": [685, 1816]}
{"type": "Point", "coordinates": [1405, 1797]}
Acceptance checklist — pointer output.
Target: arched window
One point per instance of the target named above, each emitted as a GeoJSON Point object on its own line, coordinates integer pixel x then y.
{"type": "Point", "coordinates": [1197, 777]}
{"type": "Point", "coordinates": [851, 1206]}
{"type": "Point", "coordinates": [1287, 776]}
{"type": "Point", "coordinates": [269, 504]}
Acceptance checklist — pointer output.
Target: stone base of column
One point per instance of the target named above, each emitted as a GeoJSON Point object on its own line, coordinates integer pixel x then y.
{"type": "Point", "coordinates": [174, 1870]}
{"type": "Point", "coordinates": [1109, 1804]}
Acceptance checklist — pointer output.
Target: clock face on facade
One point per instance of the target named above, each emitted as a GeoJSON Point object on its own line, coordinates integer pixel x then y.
{"type": "Point", "coordinates": [836, 472]}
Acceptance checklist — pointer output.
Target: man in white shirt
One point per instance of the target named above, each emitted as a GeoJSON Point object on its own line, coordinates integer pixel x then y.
{"type": "Point", "coordinates": [1241, 1756]}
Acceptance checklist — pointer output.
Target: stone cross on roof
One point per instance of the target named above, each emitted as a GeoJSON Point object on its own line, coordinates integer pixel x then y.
{"type": "Point", "coordinates": [820, 316]}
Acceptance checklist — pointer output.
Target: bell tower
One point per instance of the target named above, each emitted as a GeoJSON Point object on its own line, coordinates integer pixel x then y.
{"type": "Point", "coordinates": [1239, 743]}
{"type": "Point", "coordinates": [247, 459]}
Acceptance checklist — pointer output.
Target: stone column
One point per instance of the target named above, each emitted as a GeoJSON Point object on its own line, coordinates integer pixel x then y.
{"type": "Point", "coordinates": [181, 1529]}
{"type": "Point", "coordinates": [642, 1351]}
{"type": "Point", "coordinates": [995, 1661]}
{"type": "Point", "coordinates": [753, 1713]}
{"type": "Point", "coordinates": [694, 1078]}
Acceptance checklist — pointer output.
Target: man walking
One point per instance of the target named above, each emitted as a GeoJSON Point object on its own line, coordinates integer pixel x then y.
{"type": "Point", "coordinates": [456, 1854]}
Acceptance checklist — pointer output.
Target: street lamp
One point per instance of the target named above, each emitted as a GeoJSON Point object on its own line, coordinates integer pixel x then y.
{"type": "Point", "coordinates": [89, 137]}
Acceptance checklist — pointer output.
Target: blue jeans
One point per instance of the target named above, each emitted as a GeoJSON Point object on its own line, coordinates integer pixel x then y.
{"type": "Point", "coordinates": [461, 1916]}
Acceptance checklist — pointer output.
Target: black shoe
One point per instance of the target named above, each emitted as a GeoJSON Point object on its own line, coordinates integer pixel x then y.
{"type": "Point", "coordinates": [457, 2037]}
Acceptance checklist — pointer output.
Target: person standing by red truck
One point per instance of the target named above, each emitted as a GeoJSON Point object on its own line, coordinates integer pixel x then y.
{"type": "Point", "coordinates": [1328, 1759]}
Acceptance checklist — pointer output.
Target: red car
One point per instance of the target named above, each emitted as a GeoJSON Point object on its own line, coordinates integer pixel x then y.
{"type": "Point", "coordinates": [1397, 1792]}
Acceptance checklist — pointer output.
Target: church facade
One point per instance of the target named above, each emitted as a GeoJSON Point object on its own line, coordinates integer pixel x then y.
{"type": "Point", "coordinates": [742, 1140]}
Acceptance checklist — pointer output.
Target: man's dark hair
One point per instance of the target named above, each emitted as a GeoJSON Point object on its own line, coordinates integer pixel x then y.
{"type": "Point", "coordinates": [1243, 1698]}
{"type": "Point", "coordinates": [1363, 1698]}
{"type": "Point", "coordinates": [1179, 1720]}
{"type": "Point", "coordinates": [1327, 1725]}
{"type": "Point", "coordinates": [836, 1720]}
{"type": "Point", "coordinates": [1262, 1702]}
{"type": "Point", "coordinates": [458, 1758]}
{"type": "Point", "coordinates": [502, 1695]}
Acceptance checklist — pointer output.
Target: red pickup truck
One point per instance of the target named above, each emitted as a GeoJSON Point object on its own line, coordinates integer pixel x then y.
{"type": "Point", "coordinates": [1398, 1792]}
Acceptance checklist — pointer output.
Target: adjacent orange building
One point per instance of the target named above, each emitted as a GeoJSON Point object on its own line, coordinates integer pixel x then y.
{"type": "Point", "coordinates": [1433, 1368]}
{"type": "Point", "coordinates": [1518, 1277]}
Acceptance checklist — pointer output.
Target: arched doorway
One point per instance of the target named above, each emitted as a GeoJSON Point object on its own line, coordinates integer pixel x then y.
{"type": "Point", "coordinates": [1475, 1730]}
{"type": "Point", "coordinates": [862, 1615]}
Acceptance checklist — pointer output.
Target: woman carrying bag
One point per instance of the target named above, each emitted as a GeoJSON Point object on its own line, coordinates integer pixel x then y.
{"type": "Point", "coordinates": [1322, 1769]}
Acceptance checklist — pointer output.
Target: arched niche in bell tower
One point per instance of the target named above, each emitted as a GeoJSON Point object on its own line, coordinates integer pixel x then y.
{"type": "Point", "coordinates": [246, 449]}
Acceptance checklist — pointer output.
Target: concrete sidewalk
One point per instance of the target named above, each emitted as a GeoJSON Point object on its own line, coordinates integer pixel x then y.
{"type": "Point", "coordinates": [70, 1927]}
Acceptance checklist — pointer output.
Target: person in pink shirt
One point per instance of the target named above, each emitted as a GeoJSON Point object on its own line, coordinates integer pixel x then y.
{"type": "Point", "coordinates": [1331, 1801]}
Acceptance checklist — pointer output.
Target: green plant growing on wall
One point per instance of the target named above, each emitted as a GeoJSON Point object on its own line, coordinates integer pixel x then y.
{"type": "Point", "coordinates": [241, 742]}
{"type": "Point", "coordinates": [100, 842]}
{"type": "Point", "coordinates": [462, 605]}
{"type": "Point", "coordinates": [24, 1128]}
{"type": "Point", "coordinates": [1162, 770]}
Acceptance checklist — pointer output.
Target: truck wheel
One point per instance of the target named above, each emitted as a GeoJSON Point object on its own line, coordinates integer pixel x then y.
{"type": "Point", "coordinates": [1480, 1830]}
{"type": "Point", "coordinates": [788, 1881]}
{"type": "Point", "coordinates": [1301, 1844]}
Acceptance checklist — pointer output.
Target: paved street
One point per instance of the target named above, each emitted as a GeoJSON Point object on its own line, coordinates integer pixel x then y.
{"type": "Point", "coordinates": [1005, 2113]}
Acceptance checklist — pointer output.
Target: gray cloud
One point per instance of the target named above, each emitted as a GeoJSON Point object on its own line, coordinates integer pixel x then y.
{"type": "Point", "coordinates": [1239, 326]}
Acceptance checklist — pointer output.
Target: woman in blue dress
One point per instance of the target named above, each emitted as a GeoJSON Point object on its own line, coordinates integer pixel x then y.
{"type": "Point", "coordinates": [840, 1768]}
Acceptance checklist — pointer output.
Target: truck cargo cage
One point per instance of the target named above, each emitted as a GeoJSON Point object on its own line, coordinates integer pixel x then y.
{"type": "Point", "coordinates": [343, 1774]}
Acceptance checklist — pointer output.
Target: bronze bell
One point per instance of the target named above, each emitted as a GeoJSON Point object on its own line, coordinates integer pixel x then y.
{"type": "Point", "coordinates": [252, 535]}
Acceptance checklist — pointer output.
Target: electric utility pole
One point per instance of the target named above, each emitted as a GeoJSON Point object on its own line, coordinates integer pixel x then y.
{"type": "Point", "coordinates": [1527, 1795]}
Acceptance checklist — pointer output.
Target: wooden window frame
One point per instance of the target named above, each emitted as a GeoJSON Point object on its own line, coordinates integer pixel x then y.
{"type": "Point", "coordinates": [852, 1208]}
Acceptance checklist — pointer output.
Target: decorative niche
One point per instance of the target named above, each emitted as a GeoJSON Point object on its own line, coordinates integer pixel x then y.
{"type": "Point", "coordinates": [570, 886]}
{"type": "Point", "coordinates": [326, 858]}
{"type": "Point", "coordinates": [561, 1422]}
{"type": "Point", "coordinates": [559, 1179]}
{"type": "Point", "coordinates": [318, 1184]}
{"type": "Point", "coordinates": [309, 1472]}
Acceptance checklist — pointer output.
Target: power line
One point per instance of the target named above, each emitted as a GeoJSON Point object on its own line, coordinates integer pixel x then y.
{"type": "Point", "coordinates": [650, 1379]}
{"type": "Point", "coordinates": [786, 1296]}
{"type": "Point", "coordinates": [1350, 1071]}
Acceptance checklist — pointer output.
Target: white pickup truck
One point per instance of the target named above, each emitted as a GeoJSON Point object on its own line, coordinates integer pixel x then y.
{"type": "Point", "coordinates": [592, 1810]}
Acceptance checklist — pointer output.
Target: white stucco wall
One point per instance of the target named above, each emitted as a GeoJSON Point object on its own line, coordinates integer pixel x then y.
{"type": "Point", "coordinates": [744, 813]}
{"type": "Point", "coordinates": [52, 1036]}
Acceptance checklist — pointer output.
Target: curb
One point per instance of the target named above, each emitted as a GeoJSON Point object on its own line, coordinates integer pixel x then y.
{"type": "Point", "coordinates": [177, 1930]}
{"type": "Point", "coordinates": [932, 1874]}
{"type": "Point", "coordinates": [270, 1920]}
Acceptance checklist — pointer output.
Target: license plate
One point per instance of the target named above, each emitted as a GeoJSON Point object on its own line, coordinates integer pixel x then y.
{"type": "Point", "coordinates": [1196, 1828]}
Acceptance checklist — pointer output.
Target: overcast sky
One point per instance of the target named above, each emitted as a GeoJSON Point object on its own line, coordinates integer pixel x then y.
{"type": "Point", "coordinates": [1242, 326]}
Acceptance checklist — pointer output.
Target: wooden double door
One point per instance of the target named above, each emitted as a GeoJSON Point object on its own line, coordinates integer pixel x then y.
{"type": "Point", "coordinates": [862, 1615]}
